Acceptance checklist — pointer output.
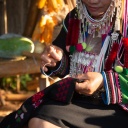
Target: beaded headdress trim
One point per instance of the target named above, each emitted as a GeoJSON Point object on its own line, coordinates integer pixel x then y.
{"type": "Point", "coordinates": [103, 25]}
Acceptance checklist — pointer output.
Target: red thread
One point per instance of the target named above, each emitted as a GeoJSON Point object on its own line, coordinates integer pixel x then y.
{"type": "Point", "coordinates": [111, 57]}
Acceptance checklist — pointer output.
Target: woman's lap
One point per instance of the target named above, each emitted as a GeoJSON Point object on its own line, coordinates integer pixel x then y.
{"type": "Point", "coordinates": [82, 114]}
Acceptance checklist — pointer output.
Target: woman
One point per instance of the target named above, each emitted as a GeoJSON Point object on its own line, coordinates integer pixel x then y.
{"type": "Point", "coordinates": [92, 48]}
{"type": "Point", "coordinates": [97, 11]}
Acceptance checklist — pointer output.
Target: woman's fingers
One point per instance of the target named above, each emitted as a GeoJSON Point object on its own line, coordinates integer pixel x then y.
{"type": "Point", "coordinates": [92, 82]}
{"type": "Point", "coordinates": [85, 88]}
{"type": "Point", "coordinates": [47, 59]}
{"type": "Point", "coordinates": [82, 77]}
{"type": "Point", "coordinates": [50, 56]}
{"type": "Point", "coordinates": [82, 86]}
{"type": "Point", "coordinates": [45, 69]}
{"type": "Point", "coordinates": [55, 53]}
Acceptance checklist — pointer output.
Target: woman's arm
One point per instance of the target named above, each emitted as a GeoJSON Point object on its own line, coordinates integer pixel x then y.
{"type": "Point", "coordinates": [62, 67]}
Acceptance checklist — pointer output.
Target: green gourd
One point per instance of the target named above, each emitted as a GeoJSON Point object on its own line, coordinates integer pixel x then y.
{"type": "Point", "coordinates": [13, 47]}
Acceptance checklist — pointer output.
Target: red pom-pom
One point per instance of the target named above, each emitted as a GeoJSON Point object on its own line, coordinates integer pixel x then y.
{"type": "Point", "coordinates": [79, 47]}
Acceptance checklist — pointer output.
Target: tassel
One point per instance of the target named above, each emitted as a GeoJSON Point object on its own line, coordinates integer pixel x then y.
{"type": "Point", "coordinates": [70, 27]}
{"type": "Point", "coordinates": [73, 32]}
{"type": "Point", "coordinates": [125, 43]}
{"type": "Point", "coordinates": [111, 57]}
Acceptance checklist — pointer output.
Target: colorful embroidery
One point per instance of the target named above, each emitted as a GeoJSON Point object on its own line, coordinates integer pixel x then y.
{"type": "Point", "coordinates": [19, 116]}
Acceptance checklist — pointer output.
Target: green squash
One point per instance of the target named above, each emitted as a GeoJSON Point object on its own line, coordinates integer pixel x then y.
{"type": "Point", "coordinates": [13, 47]}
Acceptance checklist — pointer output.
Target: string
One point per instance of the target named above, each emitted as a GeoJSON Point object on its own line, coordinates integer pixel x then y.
{"type": "Point", "coordinates": [34, 59]}
{"type": "Point", "coordinates": [45, 73]}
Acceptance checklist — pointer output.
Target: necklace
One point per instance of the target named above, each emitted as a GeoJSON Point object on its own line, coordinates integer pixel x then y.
{"type": "Point", "coordinates": [102, 25]}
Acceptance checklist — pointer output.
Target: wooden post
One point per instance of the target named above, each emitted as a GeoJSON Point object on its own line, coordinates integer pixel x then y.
{"type": "Point", "coordinates": [2, 24]}
{"type": "Point", "coordinates": [44, 82]}
{"type": "Point", "coordinates": [32, 19]}
{"type": "Point", "coordinates": [18, 83]}
{"type": "Point", "coordinates": [15, 22]}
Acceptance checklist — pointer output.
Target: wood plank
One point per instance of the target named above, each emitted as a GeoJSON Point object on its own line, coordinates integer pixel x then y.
{"type": "Point", "coordinates": [17, 97]}
{"type": "Point", "coordinates": [12, 68]}
{"type": "Point", "coordinates": [35, 55]}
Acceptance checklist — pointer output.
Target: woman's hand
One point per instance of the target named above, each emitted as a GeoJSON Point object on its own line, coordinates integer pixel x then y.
{"type": "Point", "coordinates": [92, 82]}
{"type": "Point", "coordinates": [50, 56]}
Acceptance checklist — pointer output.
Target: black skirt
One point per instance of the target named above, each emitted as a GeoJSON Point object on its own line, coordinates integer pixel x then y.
{"type": "Point", "coordinates": [83, 112]}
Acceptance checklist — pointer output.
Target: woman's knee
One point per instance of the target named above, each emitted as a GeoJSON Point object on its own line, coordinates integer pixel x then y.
{"type": "Point", "coordinates": [34, 123]}
{"type": "Point", "coordinates": [39, 123]}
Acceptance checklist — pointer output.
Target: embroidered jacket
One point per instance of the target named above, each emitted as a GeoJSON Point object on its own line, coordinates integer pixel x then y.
{"type": "Point", "coordinates": [114, 71]}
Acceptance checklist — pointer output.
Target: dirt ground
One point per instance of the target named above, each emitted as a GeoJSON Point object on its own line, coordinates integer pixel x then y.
{"type": "Point", "coordinates": [8, 106]}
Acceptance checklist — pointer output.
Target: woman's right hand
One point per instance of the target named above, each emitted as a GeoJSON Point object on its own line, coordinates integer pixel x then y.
{"type": "Point", "coordinates": [50, 56]}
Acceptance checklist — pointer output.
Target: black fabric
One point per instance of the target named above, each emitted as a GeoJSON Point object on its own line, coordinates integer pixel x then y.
{"type": "Point", "coordinates": [83, 112]}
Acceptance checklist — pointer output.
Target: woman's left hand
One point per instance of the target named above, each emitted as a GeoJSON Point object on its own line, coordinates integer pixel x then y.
{"type": "Point", "coordinates": [92, 82]}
